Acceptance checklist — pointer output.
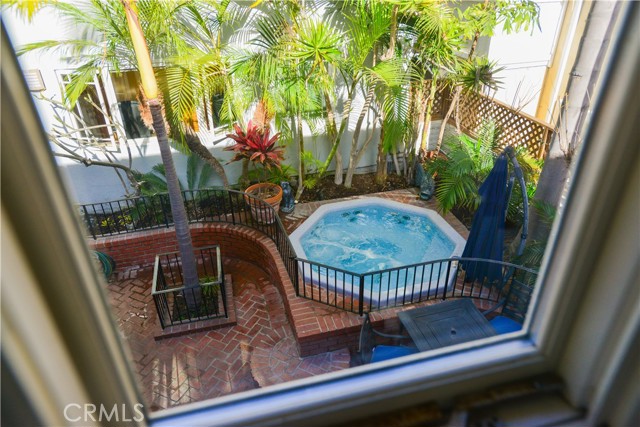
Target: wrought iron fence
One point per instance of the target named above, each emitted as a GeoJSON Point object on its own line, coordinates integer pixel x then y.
{"type": "Point", "coordinates": [176, 303]}
{"type": "Point", "coordinates": [202, 206]}
{"type": "Point", "coordinates": [357, 293]}
{"type": "Point", "coordinates": [439, 279]}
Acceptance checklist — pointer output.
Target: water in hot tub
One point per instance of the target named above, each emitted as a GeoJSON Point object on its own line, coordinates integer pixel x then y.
{"type": "Point", "coordinates": [373, 238]}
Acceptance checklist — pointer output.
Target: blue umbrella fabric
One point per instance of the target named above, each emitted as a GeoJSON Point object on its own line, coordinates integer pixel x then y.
{"type": "Point", "coordinates": [486, 238]}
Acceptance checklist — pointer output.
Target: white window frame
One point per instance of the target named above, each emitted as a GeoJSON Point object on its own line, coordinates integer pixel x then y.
{"type": "Point", "coordinates": [103, 88]}
{"type": "Point", "coordinates": [567, 330]}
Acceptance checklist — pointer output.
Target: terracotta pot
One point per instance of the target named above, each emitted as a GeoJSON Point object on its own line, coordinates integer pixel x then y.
{"type": "Point", "coordinates": [259, 210]}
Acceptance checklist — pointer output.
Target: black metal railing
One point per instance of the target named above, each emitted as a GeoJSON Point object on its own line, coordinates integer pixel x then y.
{"type": "Point", "coordinates": [439, 279]}
{"type": "Point", "coordinates": [177, 304]}
{"type": "Point", "coordinates": [357, 293]}
{"type": "Point", "coordinates": [202, 206]}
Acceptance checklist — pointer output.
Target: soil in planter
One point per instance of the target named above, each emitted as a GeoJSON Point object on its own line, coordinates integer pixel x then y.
{"type": "Point", "coordinates": [208, 306]}
{"type": "Point", "coordinates": [325, 189]}
{"type": "Point", "coordinates": [264, 193]}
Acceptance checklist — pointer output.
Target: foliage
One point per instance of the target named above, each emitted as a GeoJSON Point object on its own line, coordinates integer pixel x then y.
{"type": "Point", "coordinates": [309, 61]}
{"type": "Point", "coordinates": [207, 306]}
{"type": "Point", "coordinates": [258, 147]}
{"type": "Point", "coordinates": [467, 163]}
{"type": "Point", "coordinates": [476, 74]}
{"type": "Point", "coordinates": [274, 175]}
{"type": "Point", "coordinates": [155, 182]}
{"type": "Point", "coordinates": [534, 250]}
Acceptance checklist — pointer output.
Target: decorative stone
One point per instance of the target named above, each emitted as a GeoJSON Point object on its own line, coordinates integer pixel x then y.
{"type": "Point", "coordinates": [427, 187]}
{"type": "Point", "coordinates": [288, 203]}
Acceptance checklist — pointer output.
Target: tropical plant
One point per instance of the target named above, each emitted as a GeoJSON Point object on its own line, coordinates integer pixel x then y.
{"type": "Point", "coordinates": [150, 89]}
{"type": "Point", "coordinates": [534, 250]}
{"type": "Point", "coordinates": [481, 19]}
{"type": "Point", "coordinates": [466, 163]}
{"type": "Point", "coordinates": [153, 184]}
{"type": "Point", "coordinates": [155, 181]}
{"type": "Point", "coordinates": [274, 175]}
{"type": "Point", "coordinates": [305, 62]}
{"type": "Point", "coordinates": [174, 30]}
{"type": "Point", "coordinates": [257, 145]}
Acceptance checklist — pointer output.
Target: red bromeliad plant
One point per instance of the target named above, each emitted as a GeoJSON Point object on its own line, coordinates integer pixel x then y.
{"type": "Point", "coordinates": [256, 145]}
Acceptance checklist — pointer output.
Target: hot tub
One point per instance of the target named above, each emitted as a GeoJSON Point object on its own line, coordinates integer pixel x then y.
{"type": "Point", "coordinates": [383, 249]}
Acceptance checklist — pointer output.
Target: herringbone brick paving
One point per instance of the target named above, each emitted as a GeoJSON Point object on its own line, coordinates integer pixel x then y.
{"type": "Point", "coordinates": [259, 351]}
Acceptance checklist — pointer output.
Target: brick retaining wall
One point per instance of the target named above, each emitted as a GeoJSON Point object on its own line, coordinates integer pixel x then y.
{"type": "Point", "coordinates": [318, 328]}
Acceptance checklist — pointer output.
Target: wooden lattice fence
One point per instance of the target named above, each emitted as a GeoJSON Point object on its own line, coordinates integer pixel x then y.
{"type": "Point", "coordinates": [518, 129]}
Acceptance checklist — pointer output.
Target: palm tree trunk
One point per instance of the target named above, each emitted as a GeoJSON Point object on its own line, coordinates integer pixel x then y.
{"type": "Point", "coordinates": [428, 108]}
{"type": "Point", "coordinates": [196, 146]}
{"type": "Point", "coordinates": [356, 135]}
{"type": "Point", "coordinates": [150, 90]}
{"type": "Point", "coordinates": [300, 157]}
{"type": "Point", "coordinates": [381, 169]}
{"type": "Point", "coordinates": [394, 156]}
{"type": "Point", "coordinates": [454, 102]}
{"type": "Point", "coordinates": [181, 223]}
{"type": "Point", "coordinates": [333, 136]}
{"type": "Point", "coordinates": [360, 153]}
{"type": "Point", "coordinates": [335, 142]}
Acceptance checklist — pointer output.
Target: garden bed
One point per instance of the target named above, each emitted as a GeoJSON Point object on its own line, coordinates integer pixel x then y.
{"type": "Point", "coordinates": [326, 189]}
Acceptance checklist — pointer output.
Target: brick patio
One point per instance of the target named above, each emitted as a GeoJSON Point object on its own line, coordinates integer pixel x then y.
{"type": "Point", "coordinates": [273, 329]}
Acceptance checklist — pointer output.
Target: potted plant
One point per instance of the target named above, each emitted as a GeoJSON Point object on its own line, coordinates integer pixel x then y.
{"type": "Point", "coordinates": [259, 147]}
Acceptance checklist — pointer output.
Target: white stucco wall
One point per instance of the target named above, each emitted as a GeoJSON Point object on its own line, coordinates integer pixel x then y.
{"type": "Point", "coordinates": [95, 183]}
{"type": "Point", "coordinates": [526, 56]}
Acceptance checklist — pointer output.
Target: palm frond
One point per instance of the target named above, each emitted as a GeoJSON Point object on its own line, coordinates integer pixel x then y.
{"type": "Point", "coordinates": [206, 172]}
{"type": "Point", "coordinates": [82, 76]}
{"type": "Point", "coordinates": [390, 73]}
{"type": "Point", "coordinates": [181, 86]}
{"type": "Point", "coordinates": [193, 164]}
{"type": "Point", "coordinates": [478, 74]}
{"type": "Point", "coordinates": [396, 121]}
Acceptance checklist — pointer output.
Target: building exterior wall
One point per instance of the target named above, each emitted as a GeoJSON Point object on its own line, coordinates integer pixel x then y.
{"type": "Point", "coordinates": [525, 56]}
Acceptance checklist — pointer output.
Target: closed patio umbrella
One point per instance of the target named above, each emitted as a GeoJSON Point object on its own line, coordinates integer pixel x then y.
{"type": "Point", "coordinates": [486, 238]}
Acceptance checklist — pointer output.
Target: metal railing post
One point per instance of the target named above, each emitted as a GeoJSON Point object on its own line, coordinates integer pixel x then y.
{"type": "Point", "coordinates": [88, 221]}
{"type": "Point", "coordinates": [164, 210]}
{"type": "Point", "coordinates": [361, 296]}
{"type": "Point", "coordinates": [296, 283]}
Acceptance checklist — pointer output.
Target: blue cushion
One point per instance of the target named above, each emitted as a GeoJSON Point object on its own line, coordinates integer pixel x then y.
{"type": "Point", "coordinates": [504, 325]}
{"type": "Point", "coordinates": [386, 352]}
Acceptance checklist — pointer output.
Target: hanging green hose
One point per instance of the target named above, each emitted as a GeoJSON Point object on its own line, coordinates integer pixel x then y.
{"type": "Point", "coordinates": [108, 263]}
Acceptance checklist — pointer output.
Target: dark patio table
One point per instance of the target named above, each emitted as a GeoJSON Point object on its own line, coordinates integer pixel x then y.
{"type": "Point", "coordinates": [444, 324]}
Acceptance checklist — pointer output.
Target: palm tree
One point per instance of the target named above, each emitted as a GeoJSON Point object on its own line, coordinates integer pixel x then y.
{"type": "Point", "coordinates": [315, 54]}
{"type": "Point", "coordinates": [478, 20]}
{"type": "Point", "coordinates": [369, 25]}
{"type": "Point", "coordinates": [155, 182]}
{"type": "Point", "coordinates": [200, 70]}
{"type": "Point", "coordinates": [169, 28]}
{"type": "Point", "coordinates": [468, 163]}
{"type": "Point", "coordinates": [150, 89]}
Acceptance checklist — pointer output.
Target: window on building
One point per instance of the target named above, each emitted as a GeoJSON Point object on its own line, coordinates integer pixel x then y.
{"type": "Point", "coordinates": [92, 110]}
{"type": "Point", "coordinates": [127, 90]}
{"type": "Point", "coordinates": [212, 111]}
